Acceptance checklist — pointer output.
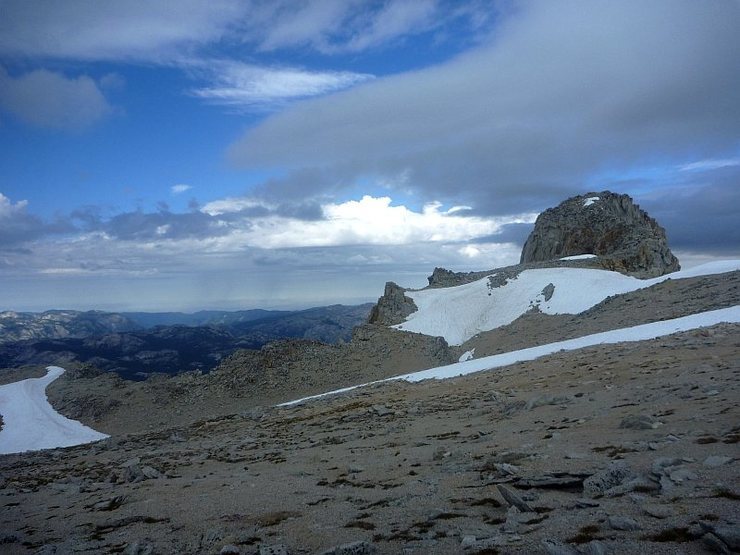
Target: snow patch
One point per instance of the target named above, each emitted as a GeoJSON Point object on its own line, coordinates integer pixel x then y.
{"type": "Point", "coordinates": [579, 257]}
{"type": "Point", "coordinates": [590, 200]}
{"type": "Point", "coordinates": [30, 423]}
{"type": "Point", "coordinates": [641, 332]}
{"type": "Point", "coordinates": [461, 312]}
{"type": "Point", "coordinates": [467, 355]}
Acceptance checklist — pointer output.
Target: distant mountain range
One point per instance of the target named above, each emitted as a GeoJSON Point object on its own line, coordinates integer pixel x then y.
{"type": "Point", "coordinates": [136, 344]}
{"type": "Point", "coordinates": [62, 324]}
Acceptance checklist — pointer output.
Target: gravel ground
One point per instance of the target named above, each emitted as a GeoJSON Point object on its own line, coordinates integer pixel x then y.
{"type": "Point", "coordinates": [617, 448]}
{"type": "Point", "coordinates": [610, 449]}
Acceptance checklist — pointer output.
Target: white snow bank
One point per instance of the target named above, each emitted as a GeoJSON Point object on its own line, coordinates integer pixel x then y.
{"type": "Point", "coordinates": [642, 332]}
{"type": "Point", "coordinates": [590, 200]}
{"type": "Point", "coordinates": [579, 257]}
{"type": "Point", "coordinates": [458, 313]}
{"type": "Point", "coordinates": [31, 423]}
{"type": "Point", "coordinates": [467, 355]}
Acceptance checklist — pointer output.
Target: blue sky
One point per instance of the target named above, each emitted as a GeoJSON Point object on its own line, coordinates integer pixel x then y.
{"type": "Point", "coordinates": [238, 154]}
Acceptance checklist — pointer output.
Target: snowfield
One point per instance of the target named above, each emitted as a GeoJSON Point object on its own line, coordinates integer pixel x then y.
{"type": "Point", "coordinates": [461, 312]}
{"type": "Point", "coordinates": [31, 423]}
{"type": "Point", "coordinates": [642, 332]}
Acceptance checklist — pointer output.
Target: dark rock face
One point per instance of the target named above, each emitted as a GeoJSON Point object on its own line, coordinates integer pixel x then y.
{"type": "Point", "coordinates": [609, 225]}
{"type": "Point", "coordinates": [393, 307]}
{"type": "Point", "coordinates": [442, 277]}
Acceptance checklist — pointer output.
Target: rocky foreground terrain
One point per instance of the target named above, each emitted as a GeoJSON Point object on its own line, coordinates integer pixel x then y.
{"type": "Point", "coordinates": [605, 450]}
{"type": "Point", "coordinates": [609, 449]}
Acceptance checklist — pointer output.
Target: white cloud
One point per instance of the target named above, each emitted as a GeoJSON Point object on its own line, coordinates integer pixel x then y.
{"type": "Point", "coordinates": [395, 19]}
{"type": "Point", "coordinates": [261, 258]}
{"type": "Point", "coordinates": [238, 84]}
{"type": "Point", "coordinates": [134, 29]}
{"type": "Point", "coordinates": [180, 188]}
{"type": "Point", "coordinates": [230, 205]}
{"type": "Point", "coordinates": [152, 30]}
{"type": "Point", "coordinates": [470, 251]}
{"type": "Point", "coordinates": [48, 99]}
{"type": "Point", "coordinates": [369, 221]}
{"type": "Point", "coordinates": [341, 26]}
{"type": "Point", "coordinates": [294, 24]}
{"type": "Point", "coordinates": [17, 226]}
{"type": "Point", "coordinates": [710, 164]}
{"type": "Point", "coordinates": [8, 209]}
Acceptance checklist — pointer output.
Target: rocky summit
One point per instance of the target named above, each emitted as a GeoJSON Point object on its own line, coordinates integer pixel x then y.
{"type": "Point", "coordinates": [609, 225]}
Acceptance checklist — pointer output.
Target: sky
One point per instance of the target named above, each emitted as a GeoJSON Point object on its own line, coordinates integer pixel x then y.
{"type": "Point", "coordinates": [269, 154]}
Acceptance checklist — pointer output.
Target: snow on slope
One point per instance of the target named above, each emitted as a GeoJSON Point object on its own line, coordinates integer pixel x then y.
{"type": "Point", "coordinates": [642, 332]}
{"type": "Point", "coordinates": [579, 257]}
{"type": "Point", "coordinates": [458, 313]}
{"type": "Point", "coordinates": [31, 423]}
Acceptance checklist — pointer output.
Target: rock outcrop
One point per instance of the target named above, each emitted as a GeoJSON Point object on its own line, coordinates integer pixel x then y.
{"type": "Point", "coordinates": [393, 307]}
{"type": "Point", "coordinates": [609, 225]}
{"type": "Point", "coordinates": [441, 277]}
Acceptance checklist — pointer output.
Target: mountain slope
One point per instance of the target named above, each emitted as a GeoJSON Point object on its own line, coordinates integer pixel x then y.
{"type": "Point", "coordinates": [459, 313]}
{"type": "Point", "coordinates": [416, 468]}
{"type": "Point", "coordinates": [175, 349]}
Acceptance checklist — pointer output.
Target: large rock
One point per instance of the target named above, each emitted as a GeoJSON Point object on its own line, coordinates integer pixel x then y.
{"type": "Point", "coordinates": [611, 226]}
{"type": "Point", "coordinates": [393, 307]}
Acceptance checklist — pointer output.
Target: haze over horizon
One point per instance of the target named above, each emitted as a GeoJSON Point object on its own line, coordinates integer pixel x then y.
{"type": "Point", "coordinates": [275, 154]}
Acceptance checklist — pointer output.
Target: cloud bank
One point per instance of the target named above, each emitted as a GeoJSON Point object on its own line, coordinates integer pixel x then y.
{"type": "Point", "coordinates": [560, 93]}
{"type": "Point", "coordinates": [49, 99]}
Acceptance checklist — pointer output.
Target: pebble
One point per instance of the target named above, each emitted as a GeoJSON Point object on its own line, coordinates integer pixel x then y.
{"type": "Point", "coordinates": [511, 526]}
{"type": "Point", "coordinates": [381, 410]}
{"type": "Point", "coordinates": [513, 499]}
{"type": "Point", "coordinates": [730, 535]}
{"type": "Point", "coordinates": [614, 475]}
{"type": "Point", "coordinates": [553, 547]}
{"type": "Point", "coordinates": [657, 511]}
{"type": "Point", "coordinates": [487, 544]}
{"type": "Point", "coordinates": [714, 461]}
{"type": "Point", "coordinates": [110, 504]}
{"type": "Point", "coordinates": [681, 475]}
{"type": "Point", "coordinates": [661, 463]}
{"type": "Point", "coordinates": [714, 543]}
{"type": "Point", "coordinates": [547, 399]}
{"type": "Point", "coordinates": [137, 548]}
{"type": "Point", "coordinates": [277, 549]}
{"type": "Point", "coordinates": [639, 422]}
{"type": "Point", "coordinates": [353, 548]}
{"type": "Point", "coordinates": [150, 472]}
{"type": "Point", "coordinates": [177, 437]}
{"type": "Point", "coordinates": [623, 523]}
{"type": "Point", "coordinates": [506, 468]}
{"type": "Point", "coordinates": [594, 547]}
